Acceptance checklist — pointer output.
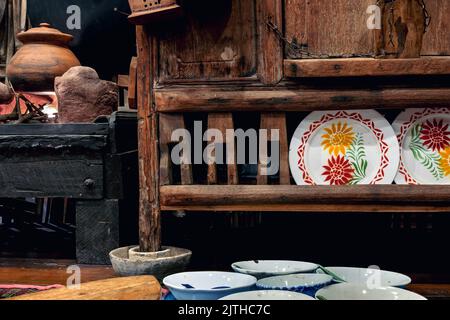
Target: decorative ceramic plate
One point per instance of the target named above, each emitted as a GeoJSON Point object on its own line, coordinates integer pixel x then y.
{"type": "Point", "coordinates": [344, 148]}
{"type": "Point", "coordinates": [424, 138]}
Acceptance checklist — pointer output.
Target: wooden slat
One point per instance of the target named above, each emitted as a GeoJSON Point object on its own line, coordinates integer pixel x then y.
{"type": "Point", "coordinates": [168, 124]}
{"type": "Point", "coordinates": [132, 84]}
{"type": "Point", "coordinates": [223, 122]}
{"type": "Point", "coordinates": [237, 99]}
{"type": "Point", "coordinates": [127, 288]}
{"type": "Point", "coordinates": [380, 198]}
{"type": "Point", "coordinates": [270, 53]}
{"type": "Point", "coordinates": [275, 121]}
{"type": "Point", "coordinates": [362, 67]}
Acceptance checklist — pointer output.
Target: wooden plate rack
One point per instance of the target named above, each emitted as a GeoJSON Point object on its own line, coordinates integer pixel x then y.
{"type": "Point", "coordinates": [272, 93]}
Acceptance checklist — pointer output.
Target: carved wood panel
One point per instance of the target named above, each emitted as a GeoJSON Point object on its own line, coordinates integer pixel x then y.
{"type": "Point", "coordinates": [215, 40]}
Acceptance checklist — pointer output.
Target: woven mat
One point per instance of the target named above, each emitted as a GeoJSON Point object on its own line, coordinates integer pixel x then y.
{"type": "Point", "coordinates": [10, 291]}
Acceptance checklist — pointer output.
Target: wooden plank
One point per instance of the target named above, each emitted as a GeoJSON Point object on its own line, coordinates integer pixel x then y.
{"type": "Point", "coordinates": [276, 121]}
{"type": "Point", "coordinates": [31, 176]}
{"type": "Point", "coordinates": [238, 99]}
{"type": "Point", "coordinates": [432, 291]}
{"type": "Point", "coordinates": [222, 122]}
{"type": "Point", "coordinates": [405, 38]}
{"type": "Point", "coordinates": [293, 198]}
{"type": "Point", "coordinates": [436, 40]}
{"type": "Point", "coordinates": [365, 67]}
{"type": "Point", "coordinates": [324, 27]}
{"type": "Point", "coordinates": [56, 143]}
{"type": "Point", "coordinates": [168, 124]}
{"type": "Point", "coordinates": [132, 84]}
{"type": "Point", "coordinates": [56, 129]}
{"type": "Point", "coordinates": [270, 48]}
{"type": "Point", "coordinates": [123, 80]}
{"type": "Point", "coordinates": [127, 288]}
{"type": "Point", "coordinates": [97, 231]}
{"type": "Point", "coordinates": [47, 272]}
{"type": "Point", "coordinates": [149, 210]}
{"type": "Point", "coordinates": [215, 40]}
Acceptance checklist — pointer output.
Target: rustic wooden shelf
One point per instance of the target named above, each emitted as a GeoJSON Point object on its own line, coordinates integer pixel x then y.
{"type": "Point", "coordinates": [284, 99]}
{"type": "Point", "coordinates": [366, 67]}
{"type": "Point", "coordinates": [252, 198]}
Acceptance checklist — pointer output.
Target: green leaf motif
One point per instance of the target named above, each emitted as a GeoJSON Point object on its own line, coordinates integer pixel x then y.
{"type": "Point", "coordinates": [429, 159]}
{"type": "Point", "coordinates": [356, 154]}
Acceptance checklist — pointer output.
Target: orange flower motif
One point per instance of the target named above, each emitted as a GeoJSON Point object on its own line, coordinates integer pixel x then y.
{"type": "Point", "coordinates": [445, 161]}
{"type": "Point", "coordinates": [337, 138]}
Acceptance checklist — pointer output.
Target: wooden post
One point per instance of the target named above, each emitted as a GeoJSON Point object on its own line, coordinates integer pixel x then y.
{"type": "Point", "coordinates": [149, 209]}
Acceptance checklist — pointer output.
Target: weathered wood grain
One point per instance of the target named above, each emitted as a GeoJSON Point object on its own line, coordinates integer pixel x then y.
{"type": "Point", "coordinates": [149, 211]}
{"type": "Point", "coordinates": [222, 122]}
{"type": "Point", "coordinates": [270, 47]}
{"type": "Point", "coordinates": [436, 40]}
{"type": "Point", "coordinates": [97, 230]}
{"type": "Point", "coordinates": [235, 98]}
{"type": "Point", "coordinates": [366, 67]}
{"type": "Point", "coordinates": [216, 40]}
{"type": "Point", "coordinates": [403, 27]}
{"type": "Point", "coordinates": [31, 176]}
{"type": "Point", "coordinates": [326, 27]}
{"type": "Point", "coordinates": [127, 288]}
{"type": "Point", "coordinates": [381, 198]}
{"type": "Point", "coordinates": [269, 122]}
{"type": "Point", "coordinates": [132, 84]}
{"type": "Point", "coordinates": [168, 124]}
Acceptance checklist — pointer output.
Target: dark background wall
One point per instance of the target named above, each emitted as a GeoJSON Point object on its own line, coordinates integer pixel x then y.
{"type": "Point", "coordinates": [106, 40]}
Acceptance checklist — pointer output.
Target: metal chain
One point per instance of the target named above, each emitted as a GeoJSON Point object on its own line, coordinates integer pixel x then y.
{"type": "Point", "coordinates": [302, 49]}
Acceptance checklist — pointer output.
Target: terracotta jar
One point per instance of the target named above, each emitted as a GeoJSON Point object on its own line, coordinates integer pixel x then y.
{"type": "Point", "coordinates": [45, 55]}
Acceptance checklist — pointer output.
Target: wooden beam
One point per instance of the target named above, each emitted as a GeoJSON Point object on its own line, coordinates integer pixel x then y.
{"type": "Point", "coordinates": [380, 198]}
{"type": "Point", "coordinates": [365, 67]}
{"type": "Point", "coordinates": [266, 99]}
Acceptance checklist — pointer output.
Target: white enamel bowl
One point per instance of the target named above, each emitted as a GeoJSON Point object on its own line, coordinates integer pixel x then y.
{"type": "Point", "coordinates": [270, 268]}
{"type": "Point", "coordinates": [353, 291]}
{"type": "Point", "coordinates": [207, 285]}
{"type": "Point", "coordinates": [267, 295]}
{"type": "Point", "coordinates": [370, 276]}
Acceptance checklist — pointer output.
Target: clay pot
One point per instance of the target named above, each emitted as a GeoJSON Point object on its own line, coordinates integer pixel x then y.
{"type": "Point", "coordinates": [45, 55]}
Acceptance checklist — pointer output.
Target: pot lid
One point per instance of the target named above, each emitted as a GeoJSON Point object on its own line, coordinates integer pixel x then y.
{"type": "Point", "coordinates": [44, 33]}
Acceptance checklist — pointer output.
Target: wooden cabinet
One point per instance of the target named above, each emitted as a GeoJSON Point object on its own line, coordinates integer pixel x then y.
{"type": "Point", "coordinates": [230, 57]}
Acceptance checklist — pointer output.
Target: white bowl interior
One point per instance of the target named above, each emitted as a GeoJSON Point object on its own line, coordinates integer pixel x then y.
{"type": "Point", "coordinates": [353, 291]}
{"type": "Point", "coordinates": [274, 266]}
{"type": "Point", "coordinates": [295, 280]}
{"type": "Point", "coordinates": [371, 276]}
{"type": "Point", "coordinates": [267, 295]}
{"type": "Point", "coordinates": [208, 280]}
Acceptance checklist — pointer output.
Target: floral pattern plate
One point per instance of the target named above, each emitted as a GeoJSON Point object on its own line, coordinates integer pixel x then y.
{"type": "Point", "coordinates": [344, 148]}
{"type": "Point", "coordinates": [424, 138]}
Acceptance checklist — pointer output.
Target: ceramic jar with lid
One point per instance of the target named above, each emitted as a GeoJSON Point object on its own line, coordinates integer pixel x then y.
{"type": "Point", "coordinates": [45, 55]}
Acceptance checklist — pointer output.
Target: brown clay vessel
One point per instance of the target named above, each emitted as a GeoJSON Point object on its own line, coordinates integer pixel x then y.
{"type": "Point", "coordinates": [45, 55]}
